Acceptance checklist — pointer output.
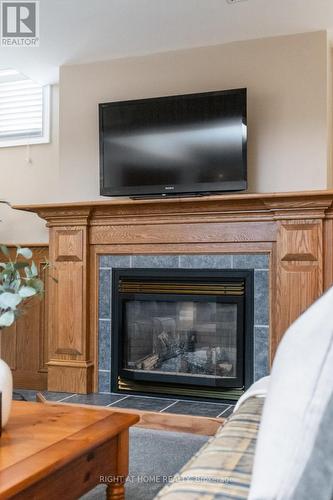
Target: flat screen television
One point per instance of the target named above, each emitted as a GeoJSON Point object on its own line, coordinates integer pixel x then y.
{"type": "Point", "coordinates": [184, 144]}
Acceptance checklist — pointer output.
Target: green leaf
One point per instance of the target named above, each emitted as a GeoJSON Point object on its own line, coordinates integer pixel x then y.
{"type": "Point", "coordinates": [21, 265]}
{"type": "Point", "coordinates": [9, 300]}
{"type": "Point", "coordinates": [25, 252]}
{"type": "Point", "coordinates": [27, 291]}
{"type": "Point", "coordinates": [7, 319]}
{"type": "Point", "coordinates": [4, 250]}
{"type": "Point", "coordinates": [15, 285]}
{"type": "Point", "coordinates": [9, 267]}
{"type": "Point", "coordinates": [34, 270]}
{"type": "Point", "coordinates": [37, 284]}
{"type": "Point", "coordinates": [27, 272]}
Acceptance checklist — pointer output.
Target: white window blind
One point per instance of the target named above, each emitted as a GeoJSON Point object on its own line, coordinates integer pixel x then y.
{"type": "Point", "coordinates": [24, 110]}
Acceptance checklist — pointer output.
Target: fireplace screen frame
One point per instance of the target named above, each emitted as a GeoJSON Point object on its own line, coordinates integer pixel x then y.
{"type": "Point", "coordinates": [244, 363]}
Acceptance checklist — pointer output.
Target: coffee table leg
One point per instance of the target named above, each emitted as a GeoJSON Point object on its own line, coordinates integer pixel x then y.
{"type": "Point", "coordinates": [116, 490]}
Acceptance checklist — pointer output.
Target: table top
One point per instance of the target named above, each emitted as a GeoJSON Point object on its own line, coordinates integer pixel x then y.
{"type": "Point", "coordinates": [40, 438]}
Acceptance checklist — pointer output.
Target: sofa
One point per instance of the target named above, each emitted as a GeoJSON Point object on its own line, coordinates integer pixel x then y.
{"type": "Point", "coordinates": [278, 443]}
{"type": "Point", "coordinates": [223, 466]}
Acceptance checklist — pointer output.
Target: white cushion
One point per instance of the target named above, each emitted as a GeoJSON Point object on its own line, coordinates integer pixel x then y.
{"type": "Point", "coordinates": [301, 387]}
{"type": "Point", "coordinates": [258, 389]}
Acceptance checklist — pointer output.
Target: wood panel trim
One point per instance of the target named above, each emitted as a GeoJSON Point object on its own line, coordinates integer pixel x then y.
{"type": "Point", "coordinates": [250, 199]}
{"type": "Point", "coordinates": [29, 245]}
{"type": "Point", "coordinates": [299, 269]}
{"type": "Point", "coordinates": [328, 250]}
{"type": "Point", "coordinates": [94, 305]}
{"type": "Point", "coordinates": [183, 248]}
{"type": "Point", "coordinates": [44, 326]}
{"type": "Point", "coordinates": [228, 232]}
{"type": "Point", "coordinates": [204, 426]}
{"type": "Point", "coordinates": [69, 245]}
{"type": "Point", "coordinates": [69, 314]}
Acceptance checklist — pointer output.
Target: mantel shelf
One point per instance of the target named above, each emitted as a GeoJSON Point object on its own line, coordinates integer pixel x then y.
{"type": "Point", "coordinates": [251, 199]}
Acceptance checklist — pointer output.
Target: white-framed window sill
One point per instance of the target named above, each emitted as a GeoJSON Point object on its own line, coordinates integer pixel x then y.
{"type": "Point", "coordinates": [24, 142]}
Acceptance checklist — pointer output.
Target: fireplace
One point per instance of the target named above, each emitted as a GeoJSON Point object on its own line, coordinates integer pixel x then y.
{"type": "Point", "coordinates": [182, 332]}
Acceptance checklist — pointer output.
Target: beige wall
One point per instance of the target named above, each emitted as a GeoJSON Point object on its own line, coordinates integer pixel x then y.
{"type": "Point", "coordinates": [330, 116]}
{"type": "Point", "coordinates": [288, 117]}
{"type": "Point", "coordinates": [286, 79]}
{"type": "Point", "coordinates": [23, 183]}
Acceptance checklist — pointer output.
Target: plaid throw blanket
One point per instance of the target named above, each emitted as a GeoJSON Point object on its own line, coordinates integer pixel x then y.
{"type": "Point", "coordinates": [222, 468]}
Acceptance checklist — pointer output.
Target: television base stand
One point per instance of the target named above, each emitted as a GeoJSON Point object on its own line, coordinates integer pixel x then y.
{"type": "Point", "coordinates": [180, 195]}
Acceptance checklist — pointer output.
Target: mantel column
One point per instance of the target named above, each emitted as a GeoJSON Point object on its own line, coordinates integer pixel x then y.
{"type": "Point", "coordinates": [69, 366]}
{"type": "Point", "coordinates": [298, 278]}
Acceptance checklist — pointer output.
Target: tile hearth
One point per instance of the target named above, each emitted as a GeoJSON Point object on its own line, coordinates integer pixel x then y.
{"type": "Point", "coordinates": [155, 404]}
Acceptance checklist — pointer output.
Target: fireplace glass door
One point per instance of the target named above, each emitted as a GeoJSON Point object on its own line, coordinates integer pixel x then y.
{"type": "Point", "coordinates": [182, 337]}
{"type": "Point", "coordinates": [179, 331]}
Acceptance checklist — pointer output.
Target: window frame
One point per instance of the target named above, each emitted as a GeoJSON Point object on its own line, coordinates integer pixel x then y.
{"type": "Point", "coordinates": [45, 137]}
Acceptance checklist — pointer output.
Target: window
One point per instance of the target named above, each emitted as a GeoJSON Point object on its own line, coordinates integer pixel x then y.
{"type": "Point", "coordinates": [24, 110]}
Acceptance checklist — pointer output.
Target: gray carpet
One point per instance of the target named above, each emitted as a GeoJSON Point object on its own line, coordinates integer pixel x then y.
{"type": "Point", "coordinates": [153, 455]}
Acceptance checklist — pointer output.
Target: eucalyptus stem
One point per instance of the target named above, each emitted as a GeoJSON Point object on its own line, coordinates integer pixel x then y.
{"type": "Point", "coordinates": [19, 284]}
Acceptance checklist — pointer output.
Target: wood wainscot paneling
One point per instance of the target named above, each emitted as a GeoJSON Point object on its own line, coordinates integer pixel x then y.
{"type": "Point", "coordinates": [24, 346]}
{"type": "Point", "coordinates": [295, 229]}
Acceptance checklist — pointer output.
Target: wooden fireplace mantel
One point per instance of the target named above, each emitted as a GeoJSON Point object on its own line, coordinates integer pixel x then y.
{"type": "Point", "coordinates": [295, 229]}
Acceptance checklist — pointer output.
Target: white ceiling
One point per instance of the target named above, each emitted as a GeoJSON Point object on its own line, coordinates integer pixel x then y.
{"type": "Point", "coordinates": [78, 31]}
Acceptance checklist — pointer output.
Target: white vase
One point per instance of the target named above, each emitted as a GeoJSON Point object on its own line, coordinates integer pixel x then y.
{"type": "Point", "coordinates": [6, 388]}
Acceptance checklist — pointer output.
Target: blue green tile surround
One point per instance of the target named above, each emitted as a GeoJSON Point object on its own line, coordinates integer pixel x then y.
{"type": "Point", "coordinates": [258, 262]}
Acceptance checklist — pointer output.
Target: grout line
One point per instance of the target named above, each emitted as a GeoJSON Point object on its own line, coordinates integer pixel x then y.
{"type": "Point", "coordinates": [105, 268]}
{"type": "Point", "coordinates": [104, 319]}
{"type": "Point", "coordinates": [63, 399]}
{"type": "Point", "coordinates": [260, 326]}
{"type": "Point", "coordinates": [104, 371]}
{"type": "Point", "coordinates": [201, 402]}
{"type": "Point", "coordinates": [263, 269]}
{"type": "Point", "coordinates": [163, 409]}
{"type": "Point", "coordinates": [220, 414]}
{"type": "Point", "coordinates": [141, 396]}
{"type": "Point", "coordinates": [232, 261]}
{"type": "Point", "coordinates": [118, 401]}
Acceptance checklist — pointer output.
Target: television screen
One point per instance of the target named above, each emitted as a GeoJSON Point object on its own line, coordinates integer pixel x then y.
{"type": "Point", "coordinates": [187, 144]}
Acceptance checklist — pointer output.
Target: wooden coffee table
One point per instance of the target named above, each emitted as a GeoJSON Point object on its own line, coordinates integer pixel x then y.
{"type": "Point", "coordinates": [59, 452]}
